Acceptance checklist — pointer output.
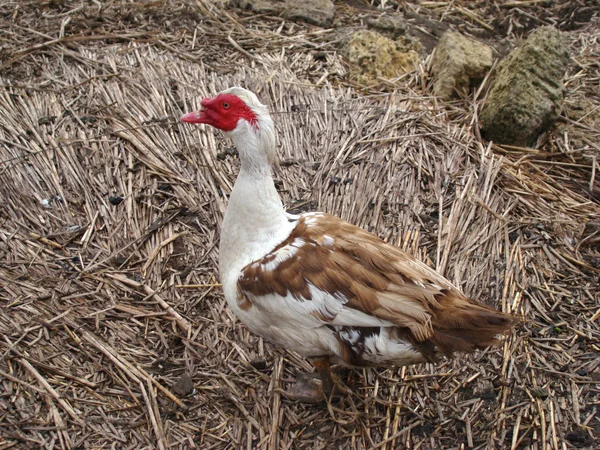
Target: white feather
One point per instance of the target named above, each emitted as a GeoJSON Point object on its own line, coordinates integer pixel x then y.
{"type": "Point", "coordinates": [328, 241]}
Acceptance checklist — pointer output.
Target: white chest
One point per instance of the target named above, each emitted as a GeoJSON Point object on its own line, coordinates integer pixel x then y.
{"type": "Point", "coordinates": [254, 224]}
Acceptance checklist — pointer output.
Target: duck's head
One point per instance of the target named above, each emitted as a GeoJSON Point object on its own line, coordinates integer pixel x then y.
{"type": "Point", "coordinates": [241, 116]}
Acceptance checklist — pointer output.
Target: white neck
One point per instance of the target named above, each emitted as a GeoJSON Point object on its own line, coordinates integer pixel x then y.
{"type": "Point", "coordinates": [255, 221]}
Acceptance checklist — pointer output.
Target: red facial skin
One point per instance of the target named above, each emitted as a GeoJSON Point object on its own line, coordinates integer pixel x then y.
{"type": "Point", "coordinates": [222, 112]}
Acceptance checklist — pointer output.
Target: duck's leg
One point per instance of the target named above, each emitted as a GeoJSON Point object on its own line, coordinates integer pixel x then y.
{"type": "Point", "coordinates": [324, 370]}
{"type": "Point", "coordinates": [306, 389]}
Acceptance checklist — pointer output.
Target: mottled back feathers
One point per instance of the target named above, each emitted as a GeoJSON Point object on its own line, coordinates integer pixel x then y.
{"type": "Point", "coordinates": [364, 274]}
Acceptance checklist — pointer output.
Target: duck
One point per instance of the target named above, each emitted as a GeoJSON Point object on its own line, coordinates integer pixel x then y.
{"type": "Point", "coordinates": [319, 286]}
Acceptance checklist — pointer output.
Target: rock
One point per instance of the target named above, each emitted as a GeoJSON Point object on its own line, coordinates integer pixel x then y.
{"type": "Point", "coordinates": [262, 6]}
{"type": "Point", "coordinates": [458, 63]}
{"type": "Point", "coordinates": [527, 95]}
{"type": "Point", "coordinates": [427, 30]}
{"type": "Point", "coordinates": [184, 385]}
{"type": "Point", "coordinates": [115, 200]}
{"type": "Point", "coordinates": [259, 363]}
{"type": "Point", "coordinates": [394, 24]}
{"type": "Point", "coordinates": [315, 12]}
{"type": "Point", "coordinates": [411, 26]}
{"type": "Point", "coordinates": [372, 56]}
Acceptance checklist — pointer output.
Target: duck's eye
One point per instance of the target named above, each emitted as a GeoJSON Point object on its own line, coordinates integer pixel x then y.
{"type": "Point", "coordinates": [225, 105]}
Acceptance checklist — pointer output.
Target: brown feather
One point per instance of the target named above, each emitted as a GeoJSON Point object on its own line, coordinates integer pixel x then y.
{"type": "Point", "coordinates": [378, 279]}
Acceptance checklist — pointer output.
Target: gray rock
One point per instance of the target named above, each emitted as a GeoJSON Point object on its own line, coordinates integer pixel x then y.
{"type": "Point", "coordinates": [527, 95]}
{"type": "Point", "coordinates": [316, 12]}
{"type": "Point", "coordinates": [458, 63]}
{"type": "Point", "coordinates": [390, 23]}
{"type": "Point", "coordinates": [184, 385]}
{"type": "Point", "coordinates": [263, 6]}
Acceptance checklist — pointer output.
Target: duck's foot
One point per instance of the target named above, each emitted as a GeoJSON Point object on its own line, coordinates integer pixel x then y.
{"type": "Point", "coordinates": [315, 387]}
{"type": "Point", "coordinates": [307, 389]}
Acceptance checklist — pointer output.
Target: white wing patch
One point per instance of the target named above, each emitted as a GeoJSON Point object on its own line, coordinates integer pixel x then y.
{"type": "Point", "coordinates": [323, 309]}
{"type": "Point", "coordinates": [355, 318]}
{"type": "Point", "coordinates": [301, 325]}
{"type": "Point", "coordinates": [384, 348]}
{"type": "Point", "coordinates": [312, 218]}
{"type": "Point", "coordinates": [378, 346]}
{"type": "Point", "coordinates": [283, 254]}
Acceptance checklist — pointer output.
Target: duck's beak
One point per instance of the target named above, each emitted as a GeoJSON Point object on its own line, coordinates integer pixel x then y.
{"type": "Point", "coordinates": [199, 116]}
{"type": "Point", "coordinates": [205, 115]}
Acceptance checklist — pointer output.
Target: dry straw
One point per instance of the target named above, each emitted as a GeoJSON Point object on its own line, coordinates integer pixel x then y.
{"type": "Point", "coordinates": [105, 306]}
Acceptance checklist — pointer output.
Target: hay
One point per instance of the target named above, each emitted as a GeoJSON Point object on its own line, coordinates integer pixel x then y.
{"type": "Point", "coordinates": [106, 306]}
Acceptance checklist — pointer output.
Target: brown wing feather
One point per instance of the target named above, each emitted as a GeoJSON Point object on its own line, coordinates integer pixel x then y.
{"type": "Point", "coordinates": [378, 279]}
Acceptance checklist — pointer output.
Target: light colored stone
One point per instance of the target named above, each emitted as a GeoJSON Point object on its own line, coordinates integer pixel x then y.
{"type": "Point", "coordinates": [527, 95]}
{"type": "Point", "coordinates": [316, 12]}
{"type": "Point", "coordinates": [458, 63]}
{"type": "Point", "coordinates": [262, 6]}
{"type": "Point", "coordinates": [372, 56]}
{"type": "Point", "coordinates": [390, 23]}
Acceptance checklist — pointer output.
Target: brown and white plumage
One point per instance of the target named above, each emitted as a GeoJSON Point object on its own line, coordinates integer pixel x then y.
{"type": "Point", "coordinates": [321, 286]}
{"type": "Point", "coordinates": [350, 282]}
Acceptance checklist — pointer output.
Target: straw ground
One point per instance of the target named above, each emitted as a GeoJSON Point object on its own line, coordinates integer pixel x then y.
{"type": "Point", "coordinates": [109, 222]}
